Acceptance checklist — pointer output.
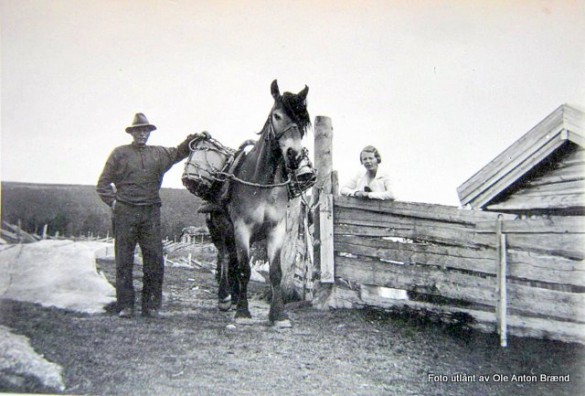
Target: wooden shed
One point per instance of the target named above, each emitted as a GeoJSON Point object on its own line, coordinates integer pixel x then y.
{"type": "Point", "coordinates": [543, 172]}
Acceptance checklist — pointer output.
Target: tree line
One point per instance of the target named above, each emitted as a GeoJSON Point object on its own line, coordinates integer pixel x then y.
{"type": "Point", "coordinates": [74, 210]}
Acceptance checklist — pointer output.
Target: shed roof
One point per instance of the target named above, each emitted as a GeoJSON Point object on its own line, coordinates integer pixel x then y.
{"type": "Point", "coordinates": [564, 124]}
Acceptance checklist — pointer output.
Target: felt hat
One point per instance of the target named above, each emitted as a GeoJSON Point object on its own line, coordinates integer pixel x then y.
{"type": "Point", "coordinates": [140, 121]}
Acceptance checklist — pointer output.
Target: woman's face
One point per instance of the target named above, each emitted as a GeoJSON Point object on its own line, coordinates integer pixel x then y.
{"type": "Point", "coordinates": [369, 161]}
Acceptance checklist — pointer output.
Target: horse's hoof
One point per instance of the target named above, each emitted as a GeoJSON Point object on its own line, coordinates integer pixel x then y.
{"type": "Point", "coordinates": [282, 324]}
{"type": "Point", "coordinates": [245, 321]}
{"type": "Point", "coordinates": [243, 314]}
{"type": "Point", "coordinates": [275, 317]}
{"type": "Point", "coordinates": [225, 304]}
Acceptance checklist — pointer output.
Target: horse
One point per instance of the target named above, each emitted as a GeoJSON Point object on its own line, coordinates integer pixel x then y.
{"type": "Point", "coordinates": [253, 204]}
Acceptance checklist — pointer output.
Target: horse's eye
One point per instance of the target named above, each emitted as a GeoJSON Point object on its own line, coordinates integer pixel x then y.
{"type": "Point", "coordinates": [277, 116]}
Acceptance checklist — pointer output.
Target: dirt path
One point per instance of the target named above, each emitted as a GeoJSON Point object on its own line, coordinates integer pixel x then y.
{"type": "Point", "coordinates": [192, 351]}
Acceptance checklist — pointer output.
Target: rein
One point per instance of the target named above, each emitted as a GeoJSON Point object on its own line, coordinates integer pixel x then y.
{"type": "Point", "coordinates": [233, 177]}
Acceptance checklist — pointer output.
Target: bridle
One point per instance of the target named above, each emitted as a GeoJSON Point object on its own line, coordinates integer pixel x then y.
{"type": "Point", "coordinates": [295, 186]}
{"type": "Point", "coordinates": [272, 135]}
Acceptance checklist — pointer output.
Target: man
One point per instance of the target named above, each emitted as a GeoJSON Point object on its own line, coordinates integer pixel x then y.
{"type": "Point", "coordinates": [130, 185]}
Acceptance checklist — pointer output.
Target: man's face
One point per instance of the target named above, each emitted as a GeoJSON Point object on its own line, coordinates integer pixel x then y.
{"type": "Point", "coordinates": [369, 161]}
{"type": "Point", "coordinates": [140, 135]}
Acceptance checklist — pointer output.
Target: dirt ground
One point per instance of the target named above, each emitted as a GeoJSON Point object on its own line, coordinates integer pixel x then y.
{"type": "Point", "coordinates": [193, 350]}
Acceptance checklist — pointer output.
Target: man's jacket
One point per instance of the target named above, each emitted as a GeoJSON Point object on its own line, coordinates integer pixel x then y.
{"type": "Point", "coordinates": [134, 175]}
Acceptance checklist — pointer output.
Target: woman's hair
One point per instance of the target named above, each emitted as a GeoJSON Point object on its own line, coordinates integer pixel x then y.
{"type": "Point", "coordinates": [373, 150]}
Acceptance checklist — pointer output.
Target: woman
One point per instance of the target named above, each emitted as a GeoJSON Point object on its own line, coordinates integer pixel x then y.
{"type": "Point", "coordinates": [374, 183]}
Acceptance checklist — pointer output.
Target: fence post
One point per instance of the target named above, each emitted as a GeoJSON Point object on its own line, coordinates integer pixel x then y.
{"type": "Point", "coordinates": [502, 261]}
{"type": "Point", "coordinates": [323, 189]}
{"type": "Point", "coordinates": [19, 231]}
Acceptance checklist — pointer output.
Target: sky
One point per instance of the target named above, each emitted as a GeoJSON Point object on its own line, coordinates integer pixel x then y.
{"type": "Point", "coordinates": [440, 87]}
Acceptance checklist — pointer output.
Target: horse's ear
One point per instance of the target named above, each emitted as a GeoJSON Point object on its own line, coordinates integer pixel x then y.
{"type": "Point", "coordinates": [275, 90]}
{"type": "Point", "coordinates": [304, 92]}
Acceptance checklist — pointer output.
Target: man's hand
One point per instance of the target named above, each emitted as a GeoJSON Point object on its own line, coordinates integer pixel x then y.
{"type": "Point", "coordinates": [185, 146]}
{"type": "Point", "coordinates": [200, 135]}
{"type": "Point", "coordinates": [205, 135]}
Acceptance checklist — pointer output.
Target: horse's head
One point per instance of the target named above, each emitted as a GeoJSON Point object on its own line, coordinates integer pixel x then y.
{"type": "Point", "coordinates": [289, 121]}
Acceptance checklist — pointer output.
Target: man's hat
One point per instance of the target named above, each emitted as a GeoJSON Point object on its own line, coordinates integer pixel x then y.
{"type": "Point", "coordinates": [139, 122]}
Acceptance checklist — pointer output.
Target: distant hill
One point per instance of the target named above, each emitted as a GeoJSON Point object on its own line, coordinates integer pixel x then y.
{"type": "Point", "coordinates": [75, 210]}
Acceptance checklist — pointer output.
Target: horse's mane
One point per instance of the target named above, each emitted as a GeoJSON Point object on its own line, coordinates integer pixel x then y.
{"type": "Point", "coordinates": [266, 162]}
{"type": "Point", "coordinates": [296, 108]}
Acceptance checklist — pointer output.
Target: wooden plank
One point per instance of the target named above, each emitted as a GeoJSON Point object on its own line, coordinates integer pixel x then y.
{"type": "Point", "coordinates": [460, 286]}
{"type": "Point", "coordinates": [365, 230]}
{"type": "Point", "coordinates": [550, 303]}
{"type": "Point", "coordinates": [422, 279]}
{"type": "Point", "coordinates": [532, 203]}
{"type": "Point", "coordinates": [431, 235]}
{"type": "Point", "coordinates": [477, 260]}
{"type": "Point", "coordinates": [10, 236]}
{"type": "Point", "coordinates": [521, 265]}
{"type": "Point", "coordinates": [549, 269]}
{"type": "Point", "coordinates": [432, 231]}
{"type": "Point", "coordinates": [523, 326]}
{"type": "Point", "coordinates": [547, 191]}
{"type": "Point", "coordinates": [566, 176]}
{"type": "Point", "coordinates": [539, 225]}
{"type": "Point", "coordinates": [485, 321]}
{"type": "Point", "coordinates": [570, 246]}
{"type": "Point", "coordinates": [520, 326]}
{"type": "Point", "coordinates": [567, 170]}
{"type": "Point", "coordinates": [442, 213]}
{"type": "Point", "coordinates": [21, 235]}
{"type": "Point", "coordinates": [565, 187]}
{"type": "Point", "coordinates": [559, 176]}
{"type": "Point", "coordinates": [353, 216]}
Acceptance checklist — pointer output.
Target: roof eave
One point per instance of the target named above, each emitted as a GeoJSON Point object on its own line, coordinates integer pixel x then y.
{"type": "Point", "coordinates": [565, 123]}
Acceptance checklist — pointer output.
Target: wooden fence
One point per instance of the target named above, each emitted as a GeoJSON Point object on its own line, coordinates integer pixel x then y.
{"type": "Point", "coordinates": [450, 261]}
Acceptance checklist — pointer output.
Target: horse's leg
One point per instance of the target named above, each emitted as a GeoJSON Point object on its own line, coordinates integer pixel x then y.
{"type": "Point", "coordinates": [224, 298]}
{"type": "Point", "coordinates": [234, 274]}
{"type": "Point", "coordinates": [277, 315]}
{"type": "Point", "coordinates": [242, 241]}
{"type": "Point", "coordinates": [215, 224]}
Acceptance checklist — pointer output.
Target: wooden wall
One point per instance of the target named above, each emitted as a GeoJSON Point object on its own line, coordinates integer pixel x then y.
{"type": "Point", "coordinates": [556, 186]}
{"type": "Point", "coordinates": [447, 260]}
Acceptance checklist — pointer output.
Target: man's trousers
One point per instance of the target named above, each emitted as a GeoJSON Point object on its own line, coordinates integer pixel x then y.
{"type": "Point", "coordinates": [138, 225]}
